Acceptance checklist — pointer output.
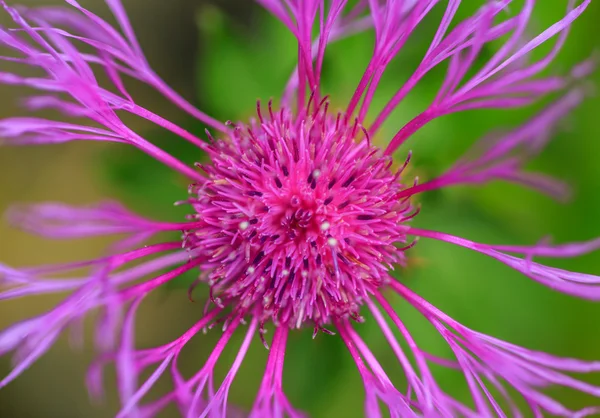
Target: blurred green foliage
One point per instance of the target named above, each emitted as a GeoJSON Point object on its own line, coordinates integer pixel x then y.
{"type": "Point", "coordinates": [242, 61]}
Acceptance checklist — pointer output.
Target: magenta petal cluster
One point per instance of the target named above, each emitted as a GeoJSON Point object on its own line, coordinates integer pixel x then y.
{"type": "Point", "coordinates": [297, 219]}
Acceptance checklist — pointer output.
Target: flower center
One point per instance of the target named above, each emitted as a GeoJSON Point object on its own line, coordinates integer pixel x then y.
{"type": "Point", "coordinates": [299, 218]}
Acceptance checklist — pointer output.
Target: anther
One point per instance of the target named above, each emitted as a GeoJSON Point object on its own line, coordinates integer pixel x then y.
{"type": "Point", "coordinates": [347, 182]}
{"type": "Point", "coordinates": [258, 257]}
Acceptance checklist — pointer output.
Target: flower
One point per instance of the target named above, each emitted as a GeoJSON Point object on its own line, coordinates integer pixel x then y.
{"type": "Point", "coordinates": [298, 219]}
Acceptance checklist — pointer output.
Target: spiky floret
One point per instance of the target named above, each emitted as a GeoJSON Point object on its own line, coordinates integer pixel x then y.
{"type": "Point", "coordinates": [299, 217]}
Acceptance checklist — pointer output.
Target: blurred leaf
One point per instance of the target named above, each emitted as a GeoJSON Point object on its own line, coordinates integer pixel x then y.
{"type": "Point", "coordinates": [315, 368]}
{"type": "Point", "coordinates": [239, 65]}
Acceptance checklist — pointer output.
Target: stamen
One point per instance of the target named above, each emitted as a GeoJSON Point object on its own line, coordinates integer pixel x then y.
{"type": "Point", "coordinates": [258, 257]}
{"type": "Point", "coordinates": [347, 182]}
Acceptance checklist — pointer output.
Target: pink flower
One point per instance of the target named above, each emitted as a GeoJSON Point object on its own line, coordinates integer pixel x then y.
{"type": "Point", "coordinates": [298, 219]}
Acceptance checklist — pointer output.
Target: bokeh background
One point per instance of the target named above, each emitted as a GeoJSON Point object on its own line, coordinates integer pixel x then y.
{"type": "Point", "coordinates": [223, 55]}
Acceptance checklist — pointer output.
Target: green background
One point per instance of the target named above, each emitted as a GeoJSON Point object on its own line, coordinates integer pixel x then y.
{"type": "Point", "coordinates": [224, 56]}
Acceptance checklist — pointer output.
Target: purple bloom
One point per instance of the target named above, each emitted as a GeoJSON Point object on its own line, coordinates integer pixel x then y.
{"type": "Point", "coordinates": [298, 219]}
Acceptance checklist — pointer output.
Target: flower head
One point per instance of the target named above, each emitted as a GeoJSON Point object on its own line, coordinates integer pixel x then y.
{"type": "Point", "coordinates": [297, 220]}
